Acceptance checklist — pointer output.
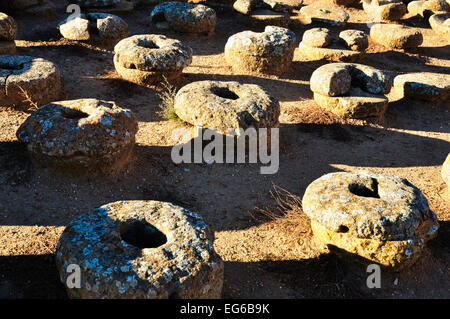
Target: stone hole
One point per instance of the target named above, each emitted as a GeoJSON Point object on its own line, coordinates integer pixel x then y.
{"type": "Point", "coordinates": [142, 235]}
{"type": "Point", "coordinates": [362, 190]}
{"type": "Point", "coordinates": [225, 93]}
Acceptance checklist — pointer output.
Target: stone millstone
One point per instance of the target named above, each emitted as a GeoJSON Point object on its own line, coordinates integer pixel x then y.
{"type": "Point", "coordinates": [226, 106]}
{"type": "Point", "coordinates": [95, 26]}
{"type": "Point", "coordinates": [381, 218]}
{"type": "Point", "coordinates": [351, 90]}
{"type": "Point", "coordinates": [428, 7]}
{"type": "Point", "coordinates": [85, 134]}
{"type": "Point", "coordinates": [356, 103]}
{"type": "Point", "coordinates": [145, 59]}
{"type": "Point", "coordinates": [387, 10]}
{"type": "Point", "coordinates": [268, 52]}
{"type": "Point", "coordinates": [445, 171]}
{"type": "Point", "coordinates": [140, 250]}
{"type": "Point", "coordinates": [321, 43]}
{"type": "Point", "coordinates": [8, 28]}
{"type": "Point", "coordinates": [440, 23]}
{"type": "Point", "coordinates": [185, 17]}
{"type": "Point", "coordinates": [396, 36]}
{"type": "Point", "coordinates": [24, 78]}
{"type": "Point", "coordinates": [325, 14]}
{"type": "Point", "coordinates": [424, 86]}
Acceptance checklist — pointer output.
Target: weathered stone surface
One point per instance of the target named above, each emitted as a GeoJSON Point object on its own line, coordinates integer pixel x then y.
{"type": "Point", "coordinates": [396, 36]}
{"type": "Point", "coordinates": [268, 52]}
{"type": "Point", "coordinates": [75, 29]}
{"type": "Point", "coordinates": [445, 171]}
{"type": "Point", "coordinates": [355, 40]}
{"type": "Point", "coordinates": [8, 28]}
{"type": "Point", "coordinates": [85, 134]}
{"type": "Point", "coordinates": [356, 103]}
{"type": "Point", "coordinates": [427, 8]}
{"type": "Point", "coordinates": [440, 23]}
{"type": "Point", "coordinates": [351, 90]}
{"type": "Point", "coordinates": [145, 59]}
{"type": "Point", "coordinates": [25, 77]}
{"type": "Point", "coordinates": [7, 47]}
{"type": "Point", "coordinates": [388, 10]}
{"type": "Point", "coordinates": [143, 250]}
{"type": "Point", "coordinates": [424, 86]}
{"type": "Point", "coordinates": [334, 79]}
{"type": "Point", "coordinates": [321, 43]}
{"type": "Point", "coordinates": [325, 14]}
{"type": "Point", "coordinates": [185, 17]}
{"type": "Point", "coordinates": [245, 6]}
{"type": "Point", "coordinates": [317, 37]}
{"type": "Point", "coordinates": [95, 26]}
{"type": "Point", "coordinates": [227, 106]}
{"type": "Point", "coordinates": [382, 218]}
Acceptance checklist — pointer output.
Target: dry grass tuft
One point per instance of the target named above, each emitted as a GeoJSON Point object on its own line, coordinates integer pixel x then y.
{"type": "Point", "coordinates": [167, 105]}
{"type": "Point", "coordinates": [27, 99]}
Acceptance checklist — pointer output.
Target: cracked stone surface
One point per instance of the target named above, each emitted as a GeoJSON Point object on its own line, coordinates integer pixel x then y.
{"type": "Point", "coordinates": [381, 218]}
{"type": "Point", "coordinates": [145, 59]}
{"type": "Point", "coordinates": [143, 250]}
{"type": "Point", "coordinates": [84, 134]}
{"type": "Point", "coordinates": [268, 52]}
{"type": "Point", "coordinates": [227, 106]}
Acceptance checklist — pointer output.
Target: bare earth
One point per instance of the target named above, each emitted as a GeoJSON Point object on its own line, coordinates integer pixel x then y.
{"type": "Point", "coordinates": [264, 258]}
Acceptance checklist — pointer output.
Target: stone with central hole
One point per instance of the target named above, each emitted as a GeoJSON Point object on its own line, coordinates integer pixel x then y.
{"type": "Point", "coordinates": [370, 217]}
{"type": "Point", "coordinates": [140, 249]}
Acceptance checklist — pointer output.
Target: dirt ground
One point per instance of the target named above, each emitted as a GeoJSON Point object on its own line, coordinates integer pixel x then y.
{"type": "Point", "coordinates": [264, 258]}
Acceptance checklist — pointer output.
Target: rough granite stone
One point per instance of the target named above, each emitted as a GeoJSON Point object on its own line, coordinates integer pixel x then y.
{"type": "Point", "coordinates": [8, 28]}
{"type": "Point", "coordinates": [141, 250]}
{"type": "Point", "coordinates": [387, 10]}
{"type": "Point", "coordinates": [351, 90]}
{"type": "Point", "coordinates": [322, 43]}
{"type": "Point", "coordinates": [227, 106]}
{"type": "Point", "coordinates": [85, 135]}
{"type": "Point", "coordinates": [268, 52]}
{"type": "Point", "coordinates": [145, 59]}
{"type": "Point", "coordinates": [396, 36]}
{"type": "Point", "coordinates": [95, 26]}
{"type": "Point", "coordinates": [427, 8]}
{"type": "Point", "coordinates": [424, 86]}
{"type": "Point", "coordinates": [325, 14]}
{"type": "Point", "coordinates": [185, 17]}
{"type": "Point", "coordinates": [440, 23]}
{"type": "Point", "coordinates": [25, 77]}
{"type": "Point", "coordinates": [381, 218]}
{"type": "Point", "coordinates": [245, 6]}
{"type": "Point", "coordinates": [267, 17]}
